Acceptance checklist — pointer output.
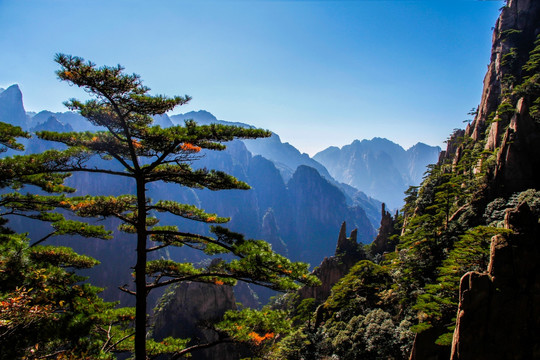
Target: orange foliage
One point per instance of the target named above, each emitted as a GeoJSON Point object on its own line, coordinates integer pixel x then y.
{"type": "Point", "coordinates": [258, 339]}
{"type": "Point", "coordinates": [19, 309]}
{"type": "Point", "coordinates": [190, 148]}
{"type": "Point", "coordinates": [218, 282]}
{"type": "Point", "coordinates": [82, 205]}
{"type": "Point", "coordinates": [211, 218]}
{"type": "Point", "coordinates": [136, 144]}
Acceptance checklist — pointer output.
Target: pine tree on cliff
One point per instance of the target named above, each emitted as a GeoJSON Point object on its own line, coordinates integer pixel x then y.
{"type": "Point", "coordinates": [148, 154]}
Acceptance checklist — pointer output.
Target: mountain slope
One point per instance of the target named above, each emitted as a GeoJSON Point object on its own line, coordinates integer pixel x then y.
{"type": "Point", "coordinates": [286, 157]}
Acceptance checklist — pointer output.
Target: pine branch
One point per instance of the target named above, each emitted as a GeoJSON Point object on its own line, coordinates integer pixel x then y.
{"type": "Point", "coordinates": [43, 239]}
{"type": "Point", "coordinates": [190, 235]}
{"type": "Point", "coordinates": [126, 290]}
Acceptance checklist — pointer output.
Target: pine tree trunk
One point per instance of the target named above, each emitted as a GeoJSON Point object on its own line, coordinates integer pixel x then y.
{"type": "Point", "coordinates": [140, 274]}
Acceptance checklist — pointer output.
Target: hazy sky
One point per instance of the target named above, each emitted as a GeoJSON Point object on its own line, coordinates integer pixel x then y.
{"type": "Point", "coordinates": [319, 73]}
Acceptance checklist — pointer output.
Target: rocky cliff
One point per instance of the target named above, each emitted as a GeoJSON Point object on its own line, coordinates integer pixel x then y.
{"type": "Point", "coordinates": [348, 252]}
{"type": "Point", "coordinates": [483, 191]}
{"type": "Point", "coordinates": [384, 242]}
{"type": "Point", "coordinates": [506, 122]}
{"type": "Point", "coordinates": [187, 312]}
{"type": "Point", "coordinates": [499, 310]}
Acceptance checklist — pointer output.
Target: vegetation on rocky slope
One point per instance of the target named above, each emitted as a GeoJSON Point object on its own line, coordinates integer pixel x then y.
{"type": "Point", "coordinates": [447, 226]}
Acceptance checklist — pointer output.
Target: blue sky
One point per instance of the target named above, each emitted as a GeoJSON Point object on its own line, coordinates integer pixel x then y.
{"type": "Point", "coordinates": [319, 73]}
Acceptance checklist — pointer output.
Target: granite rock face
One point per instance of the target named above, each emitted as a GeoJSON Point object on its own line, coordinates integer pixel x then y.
{"type": "Point", "coordinates": [189, 310]}
{"type": "Point", "coordinates": [518, 157]}
{"type": "Point", "coordinates": [513, 138]}
{"type": "Point", "coordinates": [498, 315]}
{"type": "Point", "coordinates": [521, 16]}
{"type": "Point", "coordinates": [335, 267]}
{"type": "Point", "coordinates": [499, 311]}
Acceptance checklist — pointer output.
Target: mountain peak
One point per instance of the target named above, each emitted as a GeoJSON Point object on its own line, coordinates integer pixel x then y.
{"type": "Point", "coordinates": [53, 124]}
{"type": "Point", "coordinates": [201, 116]}
{"type": "Point", "coordinates": [12, 108]}
{"type": "Point", "coordinates": [304, 170]}
{"type": "Point", "coordinates": [12, 94]}
{"type": "Point", "coordinates": [421, 145]}
{"type": "Point", "coordinates": [13, 89]}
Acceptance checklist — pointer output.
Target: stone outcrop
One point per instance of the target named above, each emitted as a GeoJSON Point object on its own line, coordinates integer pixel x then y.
{"type": "Point", "coordinates": [346, 246]}
{"type": "Point", "coordinates": [424, 348]}
{"type": "Point", "coordinates": [499, 311]}
{"type": "Point", "coordinates": [187, 312]}
{"type": "Point", "coordinates": [348, 253]}
{"type": "Point", "coordinates": [383, 243]}
{"type": "Point", "coordinates": [452, 146]}
{"type": "Point", "coordinates": [518, 158]}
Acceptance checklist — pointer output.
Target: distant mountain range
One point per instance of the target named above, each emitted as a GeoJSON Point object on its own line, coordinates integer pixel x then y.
{"type": "Point", "coordinates": [295, 203]}
{"type": "Point", "coordinates": [380, 168]}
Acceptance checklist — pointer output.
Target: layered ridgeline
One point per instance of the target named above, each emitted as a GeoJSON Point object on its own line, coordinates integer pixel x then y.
{"type": "Point", "coordinates": [286, 158]}
{"type": "Point", "coordinates": [464, 279]}
{"type": "Point", "coordinates": [379, 167]}
{"type": "Point", "coordinates": [298, 211]}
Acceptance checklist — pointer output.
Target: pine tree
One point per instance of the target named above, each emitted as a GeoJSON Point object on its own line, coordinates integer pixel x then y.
{"type": "Point", "coordinates": [148, 154]}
